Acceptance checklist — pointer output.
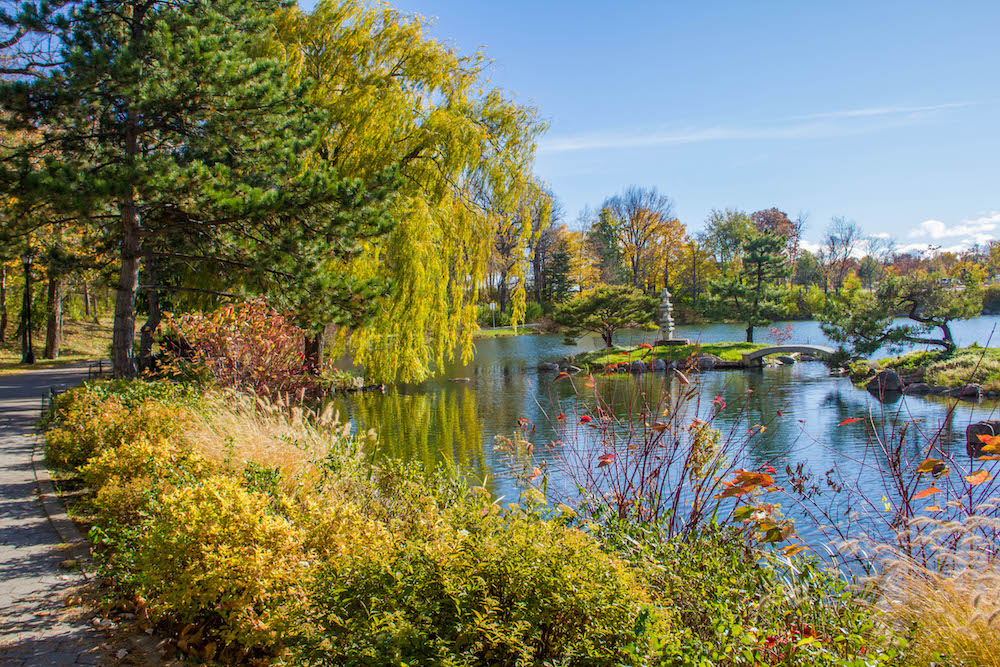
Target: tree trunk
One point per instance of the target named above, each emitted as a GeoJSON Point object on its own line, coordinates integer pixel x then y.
{"type": "Point", "coordinates": [502, 292]}
{"type": "Point", "coordinates": [949, 341]}
{"type": "Point", "coordinates": [749, 333]}
{"type": "Point", "coordinates": [314, 345]}
{"type": "Point", "coordinates": [148, 332]}
{"type": "Point", "coordinates": [608, 335]}
{"type": "Point", "coordinates": [53, 326]}
{"type": "Point", "coordinates": [536, 266]}
{"type": "Point", "coordinates": [27, 348]}
{"type": "Point", "coordinates": [3, 303]}
{"type": "Point", "coordinates": [694, 277]}
{"type": "Point", "coordinates": [86, 299]}
{"type": "Point", "coordinates": [123, 336]}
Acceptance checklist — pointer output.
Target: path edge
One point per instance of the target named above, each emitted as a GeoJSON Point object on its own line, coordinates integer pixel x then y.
{"type": "Point", "coordinates": [55, 511]}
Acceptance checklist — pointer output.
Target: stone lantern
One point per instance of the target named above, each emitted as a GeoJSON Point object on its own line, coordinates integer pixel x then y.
{"type": "Point", "coordinates": [667, 322]}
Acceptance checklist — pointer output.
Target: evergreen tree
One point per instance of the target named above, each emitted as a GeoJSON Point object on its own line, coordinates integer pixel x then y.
{"type": "Point", "coordinates": [166, 130]}
{"type": "Point", "coordinates": [606, 247]}
{"type": "Point", "coordinates": [607, 309]}
{"type": "Point", "coordinates": [752, 295]}
{"type": "Point", "coordinates": [866, 321]}
{"type": "Point", "coordinates": [558, 282]}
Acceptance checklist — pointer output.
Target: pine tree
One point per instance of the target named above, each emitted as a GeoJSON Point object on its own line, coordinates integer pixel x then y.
{"type": "Point", "coordinates": [606, 247]}
{"type": "Point", "coordinates": [170, 133]}
{"type": "Point", "coordinates": [558, 282]}
{"type": "Point", "coordinates": [752, 295]}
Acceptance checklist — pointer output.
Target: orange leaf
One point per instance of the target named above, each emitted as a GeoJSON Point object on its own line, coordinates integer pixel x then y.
{"type": "Point", "coordinates": [989, 439]}
{"type": "Point", "coordinates": [927, 492]}
{"type": "Point", "coordinates": [793, 549]}
{"type": "Point", "coordinates": [851, 420]}
{"type": "Point", "coordinates": [978, 477]}
{"type": "Point", "coordinates": [561, 376]}
{"type": "Point", "coordinates": [932, 508]}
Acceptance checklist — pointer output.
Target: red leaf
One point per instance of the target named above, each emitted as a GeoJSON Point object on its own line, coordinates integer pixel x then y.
{"type": "Point", "coordinates": [850, 420]}
{"type": "Point", "coordinates": [585, 419]}
{"type": "Point", "coordinates": [607, 459]}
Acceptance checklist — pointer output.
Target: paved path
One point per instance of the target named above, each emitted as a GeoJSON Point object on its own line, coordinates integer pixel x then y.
{"type": "Point", "coordinates": [36, 626]}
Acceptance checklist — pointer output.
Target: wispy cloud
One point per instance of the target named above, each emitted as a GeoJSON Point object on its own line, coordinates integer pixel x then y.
{"type": "Point", "coordinates": [884, 111]}
{"type": "Point", "coordinates": [813, 126]}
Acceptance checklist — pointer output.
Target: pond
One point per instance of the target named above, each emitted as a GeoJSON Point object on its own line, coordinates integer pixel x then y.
{"type": "Point", "coordinates": [459, 415]}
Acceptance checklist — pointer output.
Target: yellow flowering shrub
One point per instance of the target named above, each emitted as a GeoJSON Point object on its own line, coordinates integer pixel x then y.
{"type": "Point", "coordinates": [213, 556]}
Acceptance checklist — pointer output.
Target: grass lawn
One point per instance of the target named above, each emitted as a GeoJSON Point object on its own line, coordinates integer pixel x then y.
{"type": "Point", "coordinates": [506, 333]}
{"type": "Point", "coordinates": [81, 341]}
{"type": "Point", "coordinates": [618, 355]}
{"type": "Point", "coordinates": [967, 365]}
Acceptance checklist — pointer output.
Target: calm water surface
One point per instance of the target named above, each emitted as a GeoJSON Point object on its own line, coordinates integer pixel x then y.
{"type": "Point", "coordinates": [459, 415]}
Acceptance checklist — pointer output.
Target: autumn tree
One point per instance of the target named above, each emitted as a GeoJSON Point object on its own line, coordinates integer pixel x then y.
{"type": "Point", "coordinates": [696, 271]}
{"type": "Point", "coordinates": [843, 238]}
{"type": "Point", "coordinates": [669, 246]}
{"type": "Point", "coordinates": [639, 215]}
{"type": "Point", "coordinates": [725, 233]}
{"type": "Point", "coordinates": [607, 309]}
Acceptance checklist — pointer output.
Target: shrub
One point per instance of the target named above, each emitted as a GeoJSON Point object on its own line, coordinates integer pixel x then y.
{"type": "Point", "coordinates": [245, 346]}
{"type": "Point", "coordinates": [101, 415]}
{"type": "Point", "coordinates": [129, 477]}
{"type": "Point", "coordinates": [991, 298]}
{"type": "Point", "coordinates": [213, 556]}
{"type": "Point", "coordinates": [532, 312]}
{"type": "Point", "coordinates": [502, 588]}
{"type": "Point", "coordinates": [734, 604]}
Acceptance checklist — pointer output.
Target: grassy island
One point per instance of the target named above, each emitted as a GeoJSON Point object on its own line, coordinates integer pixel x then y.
{"type": "Point", "coordinates": [668, 353]}
{"type": "Point", "coordinates": [968, 365]}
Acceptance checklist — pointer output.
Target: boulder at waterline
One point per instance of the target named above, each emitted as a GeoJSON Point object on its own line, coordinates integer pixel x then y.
{"type": "Point", "coordinates": [884, 381]}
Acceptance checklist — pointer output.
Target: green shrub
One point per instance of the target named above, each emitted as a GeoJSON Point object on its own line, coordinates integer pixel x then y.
{"type": "Point", "coordinates": [734, 604]}
{"type": "Point", "coordinates": [213, 556]}
{"type": "Point", "coordinates": [991, 297]}
{"type": "Point", "coordinates": [532, 312]}
{"type": "Point", "coordinates": [488, 587]}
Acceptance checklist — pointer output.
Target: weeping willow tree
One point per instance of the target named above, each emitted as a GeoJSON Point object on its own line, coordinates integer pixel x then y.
{"type": "Point", "coordinates": [464, 151]}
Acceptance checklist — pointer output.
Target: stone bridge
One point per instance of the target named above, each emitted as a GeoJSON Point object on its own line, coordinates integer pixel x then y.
{"type": "Point", "coordinates": [756, 358]}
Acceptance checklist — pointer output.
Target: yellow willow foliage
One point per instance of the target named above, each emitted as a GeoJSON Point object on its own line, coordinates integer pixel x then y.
{"type": "Point", "coordinates": [398, 98]}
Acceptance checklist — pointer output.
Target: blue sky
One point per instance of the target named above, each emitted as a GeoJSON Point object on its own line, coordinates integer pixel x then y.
{"type": "Point", "coordinates": [884, 112]}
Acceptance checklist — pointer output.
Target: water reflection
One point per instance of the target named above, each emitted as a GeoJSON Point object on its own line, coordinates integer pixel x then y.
{"type": "Point", "coordinates": [800, 408]}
